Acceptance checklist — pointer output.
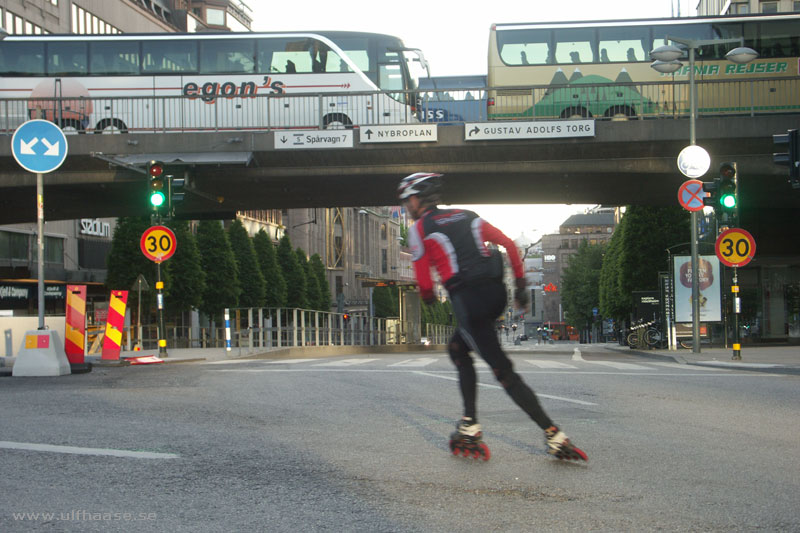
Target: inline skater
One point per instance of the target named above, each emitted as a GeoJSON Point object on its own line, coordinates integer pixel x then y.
{"type": "Point", "coordinates": [454, 242]}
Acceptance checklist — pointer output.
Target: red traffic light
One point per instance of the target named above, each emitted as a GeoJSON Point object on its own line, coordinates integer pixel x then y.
{"type": "Point", "coordinates": [346, 316]}
{"type": "Point", "coordinates": [155, 169]}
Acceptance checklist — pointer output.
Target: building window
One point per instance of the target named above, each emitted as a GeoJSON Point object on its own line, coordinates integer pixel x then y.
{"type": "Point", "coordinates": [384, 261]}
{"type": "Point", "coordinates": [215, 17]}
{"type": "Point", "coordinates": [739, 8]}
{"type": "Point", "coordinates": [13, 245]}
{"type": "Point", "coordinates": [769, 7]}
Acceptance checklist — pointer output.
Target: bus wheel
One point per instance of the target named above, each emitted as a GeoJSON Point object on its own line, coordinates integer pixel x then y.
{"type": "Point", "coordinates": [337, 121]}
{"type": "Point", "coordinates": [575, 112]}
{"type": "Point", "coordinates": [69, 126]}
{"type": "Point", "coordinates": [108, 125]}
{"type": "Point", "coordinates": [620, 112]}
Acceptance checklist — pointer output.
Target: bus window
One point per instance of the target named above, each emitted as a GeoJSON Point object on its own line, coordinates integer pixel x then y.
{"type": "Point", "coordinates": [169, 56]}
{"type": "Point", "coordinates": [22, 59]}
{"type": "Point", "coordinates": [227, 56]}
{"type": "Point", "coordinates": [525, 47]}
{"type": "Point", "coordinates": [574, 46]}
{"type": "Point", "coordinates": [625, 44]}
{"type": "Point", "coordinates": [683, 31]}
{"type": "Point", "coordinates": [304, 56]}
{"type": "Point", "coordinates": [778, 38]}
{"type": "Point", "coordinates": [67, 59]}
{"type": "Point", "coordinates": [113, 58]}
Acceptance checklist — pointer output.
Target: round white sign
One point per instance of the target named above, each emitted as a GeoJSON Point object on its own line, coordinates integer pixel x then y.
{"type": "Point", "coordinates": [694, 161]}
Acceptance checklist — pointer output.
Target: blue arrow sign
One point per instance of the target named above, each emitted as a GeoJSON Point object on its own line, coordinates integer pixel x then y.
{"type": "Point", "coordinates": [39, 146]}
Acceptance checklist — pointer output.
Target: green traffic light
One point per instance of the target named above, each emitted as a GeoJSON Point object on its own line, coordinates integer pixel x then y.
{"type": "Point", "coordinates": [157, 199]}
{"type": "Point", "coordinates": [728, 201]}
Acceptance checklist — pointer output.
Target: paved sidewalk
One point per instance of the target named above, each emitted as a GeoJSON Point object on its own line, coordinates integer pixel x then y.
{"type": "Point", "coordinates": [782, 358]}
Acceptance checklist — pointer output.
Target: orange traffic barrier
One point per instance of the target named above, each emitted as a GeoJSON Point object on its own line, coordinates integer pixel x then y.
{"type": "Point", "coordinates": [112, 342]}
{"type": "Point", "coordinates": [75, 335]}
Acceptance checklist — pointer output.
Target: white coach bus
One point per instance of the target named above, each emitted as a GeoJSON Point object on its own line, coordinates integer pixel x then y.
{"type": "Point", "coordinates": [200, 82]}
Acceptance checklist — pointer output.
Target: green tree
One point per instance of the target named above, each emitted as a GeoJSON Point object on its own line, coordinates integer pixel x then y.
{"type": "Point", "coordinates": [312, 285]}
{"type": "Point", "coordinates": [293, 274]}
{"type": "Point", "coordinates": [275, 284]}
{"type": "Point", "coordinates": [126, 261]}
{"type": "Point", "coordinates": [222, 279]}
{"type": "Point", "coordinates": [613, 303]}
{"type": "Point", "coordinates": [251, 280]}
{"type": "Point", "coordinates": [186, 273]}
{"type": "Point", "coordinates": [634, 262]}
{"type": "Point", "coordinates": [385, 302]}
{"type": "Point", "coordinates": [322, 279]}
{"type": "Point", "coordinates": [580, 284]}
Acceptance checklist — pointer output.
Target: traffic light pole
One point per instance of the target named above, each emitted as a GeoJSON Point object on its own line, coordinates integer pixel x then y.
{"type": "Point", "coordinates": [162, 336]}
{"type": "Point", "coordinates": [737, 308]}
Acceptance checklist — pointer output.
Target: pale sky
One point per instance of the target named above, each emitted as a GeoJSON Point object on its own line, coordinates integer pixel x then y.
{"type": "Point", "coordinates": [454, 37]}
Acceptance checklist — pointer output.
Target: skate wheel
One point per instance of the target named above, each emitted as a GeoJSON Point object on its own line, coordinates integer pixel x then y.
{"type": "Point", "coordinates": [485, 452]}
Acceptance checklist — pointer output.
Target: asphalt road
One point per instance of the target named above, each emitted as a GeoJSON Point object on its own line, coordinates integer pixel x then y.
{"type": "Point", "coordinates": [360, 444]}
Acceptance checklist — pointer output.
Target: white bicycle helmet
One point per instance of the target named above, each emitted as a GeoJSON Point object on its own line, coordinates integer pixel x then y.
{"type": "Point", "coordinates": [422, 184]}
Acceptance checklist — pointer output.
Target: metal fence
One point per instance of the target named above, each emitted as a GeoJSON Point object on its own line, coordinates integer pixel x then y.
{"type": "Point", "coordinates": [263, 112]}
{"type": "Point", "coordinates": [256, 329]}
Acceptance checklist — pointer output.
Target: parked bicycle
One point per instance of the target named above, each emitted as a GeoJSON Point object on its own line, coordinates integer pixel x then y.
{"type": "Point", "coordinates": [647, 334]}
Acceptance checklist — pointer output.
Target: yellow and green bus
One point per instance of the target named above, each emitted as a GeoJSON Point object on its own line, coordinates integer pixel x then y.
{"type": "Point", "coordinates": [602, 68]}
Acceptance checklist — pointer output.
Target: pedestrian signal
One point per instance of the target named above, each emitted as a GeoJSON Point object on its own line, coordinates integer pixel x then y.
{"type": "Point", "coordinates": [790, 158]}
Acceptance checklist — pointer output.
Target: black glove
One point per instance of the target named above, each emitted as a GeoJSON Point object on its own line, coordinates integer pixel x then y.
{"type": "Point", "coordinates": [521, 296]}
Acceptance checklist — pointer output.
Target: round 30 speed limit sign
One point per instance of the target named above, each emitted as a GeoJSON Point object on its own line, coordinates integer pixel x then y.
{"type": "Point", "coordinates": [158, 243]}
{"type": "Point", "coordinates": [735, 247]}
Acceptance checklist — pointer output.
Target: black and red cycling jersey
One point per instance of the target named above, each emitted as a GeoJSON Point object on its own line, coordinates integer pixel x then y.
{"type": "Point", "coordinates": [454, 242]}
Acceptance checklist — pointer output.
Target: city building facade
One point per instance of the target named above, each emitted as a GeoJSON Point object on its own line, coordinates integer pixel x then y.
{"type": "Point", "coordinates": [595, 227]}
{"type": "Point", "coordinates": [745, 7]}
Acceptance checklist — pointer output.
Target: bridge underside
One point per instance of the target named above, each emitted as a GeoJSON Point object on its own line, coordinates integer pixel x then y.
{"type": "Point", "coordinates": [625, 163]}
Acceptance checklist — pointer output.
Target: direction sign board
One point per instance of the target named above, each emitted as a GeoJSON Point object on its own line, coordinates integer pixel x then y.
{"type": "Point", "coordinates": [312, 139]}
{"type": "Point", "coordinates": [735, 247]}
{"type": "Point", "coordinates": [540, 129]}
{"type": "Point", "coordinates": [691, 194]}
{"type": "Point", "coordinates": [401, 133]}
{"type": "Point", "coordinates": [158, 243]}
{"type": "Point", "coordinates": [39, 146]}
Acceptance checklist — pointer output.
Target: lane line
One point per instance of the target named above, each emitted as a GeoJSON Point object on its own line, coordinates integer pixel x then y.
{"type": "Point", "coordinates": [576, 355]}
{"type": "Point", "coordinates": [618, 365]}
{"type": "Point", "coordinates": [29, 446]}
{"type": "Point", "coordinates": [488, 386]}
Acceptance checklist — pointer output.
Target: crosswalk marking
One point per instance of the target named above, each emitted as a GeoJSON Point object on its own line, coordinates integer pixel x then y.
{"type": "Point", "coordinates": [347, 362]}
{"type": "Point", "coordinates": [617, 365]}
{"type": "Point", "coordinates": [539, 363]}
{"type": "Point", "coordinates": [422, 361]}
{"type": "Point", "coordinates": [290, 361]}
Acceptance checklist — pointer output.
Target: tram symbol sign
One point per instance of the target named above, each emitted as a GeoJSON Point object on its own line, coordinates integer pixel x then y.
{"type": "Point", "coordinates": [735, 247]}
{"type": "Point", "coordinates": [158, 243]}
{"type": "Point", "coordinates": [691, 194]}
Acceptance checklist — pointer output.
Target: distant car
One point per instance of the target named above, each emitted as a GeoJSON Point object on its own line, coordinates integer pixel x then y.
{"type": "Point", "coordinates": [523, 337]}
{"type": "Point", "coordinates": [426, 341]}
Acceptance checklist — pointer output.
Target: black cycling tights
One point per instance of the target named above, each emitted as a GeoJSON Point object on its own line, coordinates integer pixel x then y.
{"type": "Point", "coordinates": [476, 309]}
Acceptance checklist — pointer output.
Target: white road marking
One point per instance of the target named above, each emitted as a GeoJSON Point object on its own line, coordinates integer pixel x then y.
{"type": "Point", "coordinates": [347, 362]}
{"type": "Point", "coordinates": [540, 363]}
{"type": "Point", "coordinates": [618, 365]}
{"type": "Point", "coordinates": [85, 451]}
{"type": "Point", "coordinates": [486, 385]}
{"type": "Point", "coordinates": [576, 355]}
{"type": "Point", "coordinates": [422, 361]}
{"type": "Point", "coordinates": [290, 361]}
{"type": "Point", "coordinates": [688, 367]}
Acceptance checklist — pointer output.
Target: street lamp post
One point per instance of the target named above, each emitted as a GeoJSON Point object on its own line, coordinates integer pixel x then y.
{"type": "Point", "coordinates": [666, 61]}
